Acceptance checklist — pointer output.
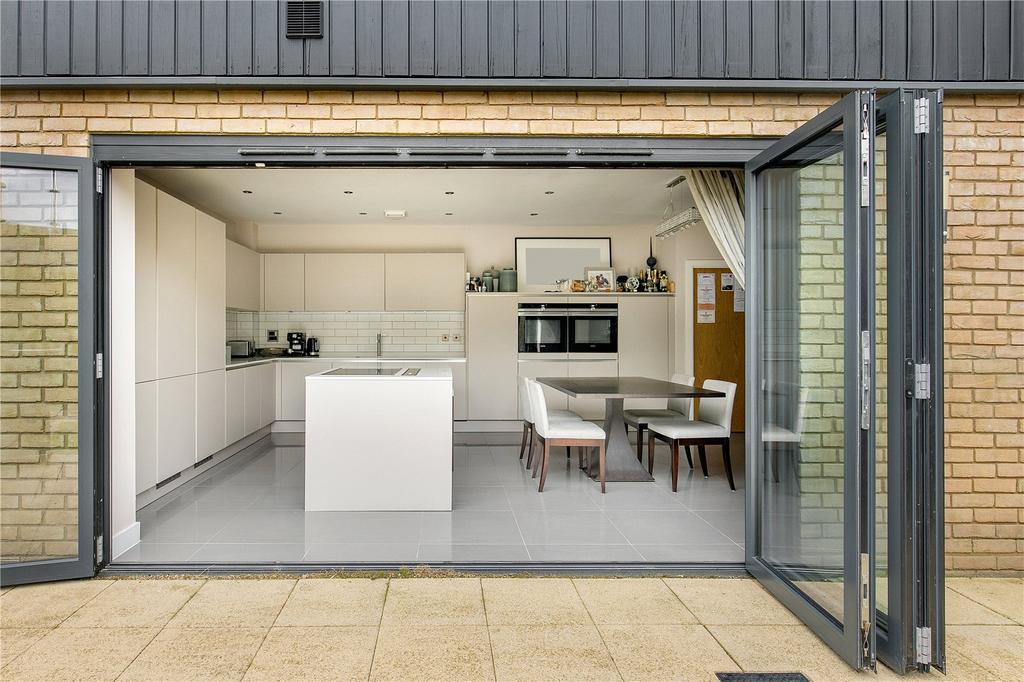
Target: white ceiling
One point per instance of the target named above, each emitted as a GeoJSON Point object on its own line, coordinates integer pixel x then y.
{"type": "Point", "coordinates": [482, 196]}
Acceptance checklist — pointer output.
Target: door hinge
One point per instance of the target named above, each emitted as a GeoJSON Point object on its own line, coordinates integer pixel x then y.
{"type": "Point", "coordinates": [99, 365]}
{"type": "Point", "coordinates": [922, 381]}
{"type": "Point", "coordinates": [865, 380]}
{"type": "Point", "coordinates": [865, 157]}
{"type": "Point", "coordinates": [99, 549]}
{"type": "Point", "coordinates": [99, 181]}
{"type": "Point", "coordinates": [922, 116]}
{"type": "Point", "coordinates": [923, 645]}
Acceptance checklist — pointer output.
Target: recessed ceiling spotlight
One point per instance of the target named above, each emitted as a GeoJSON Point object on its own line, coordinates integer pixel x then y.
{"type": "Point", "coordinates": [362, 213]}
{"type": "Point", "coordinates": [549, 192]}
{"type": "Point", "coordinates": [348, 191]}
{"type": "Point", "coordinates": [449, 214]}
{"type": "Point", "coordinates": [533, 214]}
{"type": "Point", "coordinates": [449, 192]}
{"type": "Point", "coordinates": [246, 191]}
{"type": "Point", "coordinates": [260, 164]}
{"type": "Point", "coordinates": [394, 213]}
{"type": "Point", "coordinates": [277, 212]}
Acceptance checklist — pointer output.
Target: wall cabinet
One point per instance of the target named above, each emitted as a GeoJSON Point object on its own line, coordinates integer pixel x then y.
{"type": "Point", "coordinates": [268, 393]}
{"type": "Point", "coordinates": [211, 417]}
{"type": "Point", "coordinates": [644, 342]}
{"type": "Point", "coordinates": [210, 293]}
{"type": "Point", "coordinates": [425, 281]}
{"type": "Point", "coordinates": [293, 387]}
{"type": "Point", "coordinates": [145, 284]}
{"type": "Point", "coordinates": [491, 349]}
{"type": "Point", "coordinates": [176, 425]}
{"type": "Point", "coordinates": [242, 277]}
{"type": "Point", "coordinates": [147, 413]}
{"type": "Point", "coordinates": [234, 405]}
{"type": "Point", "coordinates": [176, 286]}
{"type": "Point", "coordinates": [344, 281]}
{"type": "Point", "coordinates": [284, 281]}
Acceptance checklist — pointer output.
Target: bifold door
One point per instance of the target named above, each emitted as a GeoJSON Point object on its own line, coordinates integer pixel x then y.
{"type": "Point", "coordinates": [48, 367]}
{"type": "Point", "coordinates": [842, 344]}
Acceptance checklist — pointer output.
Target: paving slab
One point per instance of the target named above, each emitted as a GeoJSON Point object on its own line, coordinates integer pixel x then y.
{"type": "Point", "coordinates": [446, 652]}
{"type": "Point", "coordinates": [196, 654]}
{"type": "Point", "coordinates": [434, 601]}
{"type": "Point", "coordinates": [48, 604]}
{"type": "Point", "coordinates": [79, 654]}
{"type": "Point", "coordinates": [314, 653]}
{"type": "Point", "coordinates": [533, 601]}
{"type": "Point", "coordinates": [335, 602]}
{"type": "Point", "coordinates": [961, 610]}
{"type": "Point", "coordinates": [551, 652]}
{"type": "Point", "coordinates": [631, 600]}
{"type": "Point", "coordinates": [1005, 596]}
{"type": "Point", "coordinates": [997, 648]}
{"type": "Point", "coordinates": [666, 652]}
{"type": "Point", "coordinates": [726, 601]}
{"type": "Point", "coordinates": [135, 603]}
{"type": "Point", "coordinates": [14, 641]}
{"type": "Point", "coordinates": [234, 603]}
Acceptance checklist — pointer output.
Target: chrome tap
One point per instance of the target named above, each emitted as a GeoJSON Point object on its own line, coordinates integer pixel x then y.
{"type": "Point", "coordinates": [380, 344]}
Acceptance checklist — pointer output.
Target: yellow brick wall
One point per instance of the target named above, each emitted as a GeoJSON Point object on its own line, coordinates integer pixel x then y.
{"type": "Point", "coordinates": [984, 257]}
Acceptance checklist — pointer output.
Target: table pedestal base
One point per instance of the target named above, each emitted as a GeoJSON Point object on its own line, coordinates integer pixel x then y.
{"type": "Point", "coordinates": [621, 463]}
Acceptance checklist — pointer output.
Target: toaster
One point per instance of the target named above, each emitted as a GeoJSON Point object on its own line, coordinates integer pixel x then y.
{"type": "Point", "coordinates": [242, 349]}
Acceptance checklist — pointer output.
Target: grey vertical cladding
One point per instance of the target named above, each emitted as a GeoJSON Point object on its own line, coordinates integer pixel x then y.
{"type": "Point", "coordinates": [894, 40]}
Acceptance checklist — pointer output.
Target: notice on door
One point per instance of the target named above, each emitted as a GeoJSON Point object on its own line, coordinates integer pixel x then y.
{"type": "Point", "coordinates": [705, 297]}
{"type": "Point", "coordinates": [739, 300]}
{"type": "Point", "coordinates": [728, 281]}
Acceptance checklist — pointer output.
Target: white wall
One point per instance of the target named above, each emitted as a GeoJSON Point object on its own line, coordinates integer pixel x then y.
{"type": "Point", "coordinates": [120, 368]}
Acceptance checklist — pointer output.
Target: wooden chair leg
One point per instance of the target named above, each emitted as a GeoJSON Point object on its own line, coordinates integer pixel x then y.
{"type": "Point", "coordinates": [675, 465]}
{"type": "Point", "coordinates": [689, 459]}
{"type": "Point", "coordinates": [728, 463]}
{"type": "Point", "coordinates": [568, 452]}
{"type": "Point", "coordinates": [650, 453]}
{"type": "Point", "coordinates": [530, 448]}
{"type": "Point", "coordinates": [526, 435]}
{"type": "Point", "coordinates": [639, 442]}
{"type": "Point", "coordinates": [703, 459]}
{"type": "Point", "coordinates": [775, 464]}
{"type": "Point", "coordinates": [537, 457]}
{"type": "Point", "coordinates": [600, 465]}
{"type": "Point", "coordinates": [545, 460]}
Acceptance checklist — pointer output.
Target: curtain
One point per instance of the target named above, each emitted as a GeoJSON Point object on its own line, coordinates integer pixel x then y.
{"type": "Point", "coordinates": [718, 195]}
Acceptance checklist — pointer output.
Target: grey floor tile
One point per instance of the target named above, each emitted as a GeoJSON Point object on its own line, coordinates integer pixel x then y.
{"type": "Point", "coordinates": [185, 525]}
{"type": "Point", "coordinates": [665, 527]}
{"type": "Point", "coordinates": [159, 552]}
{"type": "Point", "coordinates": [725, 553]}
{"type": "Point", "coordinates": [461, 552]}
{"type": "Point", "coordinates": [470, 527]}
{"type": "Point", "coordinates": [281, 497]}
{"type": "Point", "coordinates": [731, 525]}
{"type": "Point", "coordinates": [481, 497]}
{"type": "Point", "coordinates": [251, 552]}
{"type": "Point", "coordinates": [473, 457]}
{"type": "Point", "coordinates": [568, 528]}
{"type": "Point", "coordinates": [405, 552]}
{"type": "Point", "coordinates": [356, 527]}
{"type": "Point", "coordinates": [583, 553]}
{"type": "Point", "coordinates": [528, 499]}
{"type": "Point", "coordinates": [475, 475]}
{"type": "Point", "coordinates": [262, 525]}
{"type": "Point", "coordinates": [633, 496]}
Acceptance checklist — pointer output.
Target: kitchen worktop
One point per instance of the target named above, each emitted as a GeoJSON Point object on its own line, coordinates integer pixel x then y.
{"type": "Point", "coordinates": [412, 358]}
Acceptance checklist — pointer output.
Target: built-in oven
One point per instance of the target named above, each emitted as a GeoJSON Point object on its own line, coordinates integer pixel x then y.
{"type": "Point", "coordinates": [543, 328]}
{"type": "Point", "coordinates": [593, 327]}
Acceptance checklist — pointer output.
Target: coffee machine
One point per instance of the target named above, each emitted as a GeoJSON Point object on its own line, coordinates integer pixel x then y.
{"type": "Point", "coordinates": [296, 343]}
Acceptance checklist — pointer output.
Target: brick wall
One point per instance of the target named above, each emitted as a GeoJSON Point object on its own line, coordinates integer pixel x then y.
{"type": "Point", "coordinates": [985, 255]}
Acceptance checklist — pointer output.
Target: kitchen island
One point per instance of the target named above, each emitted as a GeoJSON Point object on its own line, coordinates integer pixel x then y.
{"type": "Point", "coordinates": [379, 438]}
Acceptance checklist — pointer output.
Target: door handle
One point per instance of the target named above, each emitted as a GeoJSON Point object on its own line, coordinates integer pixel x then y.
{"type": "Point", "coordinates": [865, 379]}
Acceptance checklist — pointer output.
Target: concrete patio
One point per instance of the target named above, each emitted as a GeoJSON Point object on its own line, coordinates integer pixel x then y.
{"type": "Point", "coordinates": [467, 628]}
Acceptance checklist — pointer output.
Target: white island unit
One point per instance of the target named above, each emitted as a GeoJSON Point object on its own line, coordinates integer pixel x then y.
{"type": "Point", "coordinates": [379, 438]}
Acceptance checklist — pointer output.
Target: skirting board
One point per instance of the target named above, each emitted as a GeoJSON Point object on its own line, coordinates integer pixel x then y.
{"type": "Point", "coordinates": [493, 426]}
{"type": "Point", "coordinates": [126, 539]}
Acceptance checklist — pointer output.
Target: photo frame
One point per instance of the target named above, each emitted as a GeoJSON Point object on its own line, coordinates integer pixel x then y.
{"type": "Point", "coordinates": [600, 279]}
{"type": "Point", "coordinates": [542, 261]}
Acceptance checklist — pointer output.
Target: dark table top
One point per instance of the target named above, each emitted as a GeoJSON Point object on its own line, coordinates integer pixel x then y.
{"type": "Point", "coordinates": [625, 387]}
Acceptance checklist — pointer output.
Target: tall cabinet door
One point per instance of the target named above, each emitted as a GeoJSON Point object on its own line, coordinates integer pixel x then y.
{"type": "Point", "coordinates": [146, 333]}
{"type": "Point", "coordinates": [284, 281]}
{"type": "Point", "coordinates": [176, 286]}
{"type": "Point", "coordinates": [643, 342]}
{"type": "Point", "coordinates": [210, 293]}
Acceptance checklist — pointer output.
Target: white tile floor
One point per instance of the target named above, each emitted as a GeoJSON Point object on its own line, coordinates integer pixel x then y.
{"type": "Point", "coordinates": [250, 509]}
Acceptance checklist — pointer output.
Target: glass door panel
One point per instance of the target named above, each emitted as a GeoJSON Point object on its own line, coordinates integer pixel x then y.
{"type": "Point", "coordinates": [46, 326]}
{"type": "Point", "coordinates": [809, 537]}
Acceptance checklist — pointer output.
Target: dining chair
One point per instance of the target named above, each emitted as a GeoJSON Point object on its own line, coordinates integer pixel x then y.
{"type": "Point", "coordinates": [527, 412]}
{"type": "Point", "coordinates": [712, 426]}
{"type": "Point", "coordinates": [567, 433]}
{"type": "Point", "coordinates": [785, 439]}
{"type": "Point", "coordinates": [677, 407]}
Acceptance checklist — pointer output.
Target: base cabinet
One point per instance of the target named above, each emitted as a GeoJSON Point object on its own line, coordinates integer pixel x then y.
{"type": "Point", "coordinates": [268, 393]}
{"type": "Point", "coordinates": [176, 425]}
{"type": "Point", "coordinates": [147, 411]}
{"type": "Point", "coordinates": [234, 405]}
{"type": "Point", "coordinates": [211, 420]}
{"type": "Point", "coordinates": [590, 408]}
{"type": "Point", "coordinates": [251, 400]}
{"type": "Point", "coordinates": [556, 400]}
{"type": "Point", "coordinates": [293, 387]}
{"type": "Point", "coordinates": [491, 346]}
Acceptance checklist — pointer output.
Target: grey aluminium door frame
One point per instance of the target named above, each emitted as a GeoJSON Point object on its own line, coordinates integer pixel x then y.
{"type": "Point", "coordinates": [89, 429]}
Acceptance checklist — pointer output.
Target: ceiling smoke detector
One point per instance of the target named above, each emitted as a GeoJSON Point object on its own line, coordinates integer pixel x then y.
{"type": "Point", "coordinates": [394, 213]}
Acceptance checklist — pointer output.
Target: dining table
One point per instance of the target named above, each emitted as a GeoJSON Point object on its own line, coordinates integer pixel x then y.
{"type": "Point", "coordinates": [621, 463]}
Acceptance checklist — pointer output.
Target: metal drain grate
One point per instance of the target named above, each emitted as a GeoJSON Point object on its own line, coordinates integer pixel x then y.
{"type": "Point", "coordinates": [762, 677]}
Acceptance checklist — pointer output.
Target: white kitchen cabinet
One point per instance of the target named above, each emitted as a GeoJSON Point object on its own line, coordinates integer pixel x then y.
{"type": "Point", "coordinates": [344, 281]}
{"type": "Point", "coordinates": [644, 342]}
{"type": "Point", "coordinates": [268, 393]}
{"type": "Point", "coordinates": [210, 293]}
{"type": "Point", "coordinates": [251, 402]}
{"type": "Point", "coordinates": [293, 387]}
{"type": "Point", "coordinates": [145, 284]}
{"type": "Point", "coordinates": [284, 281]}
{"type": "Point", "coordinates": [176, 286]}
{"type": "Point", "coordinates": [590, 408]}
{"type": "Point", "coordinates": [147, 414]}
{"type": "Point", "coordinates": [459, 386]}
{"type": "Point", "coordinates": [176, 425]}
{"type": "Point", "coordinates": [234, 405]}
{"type": "Point", "coordinates": [211, 417]}
{"type": "Point", "coordinates": [492, 345]}
{"type": "Point", "coordinates": [242, 277]}
{"type": "Point", "coordinates": [425, 281]}
{"type": "Point", "coordinates": [556, 400]}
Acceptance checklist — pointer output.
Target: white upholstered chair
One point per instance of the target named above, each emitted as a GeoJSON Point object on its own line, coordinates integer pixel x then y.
{"type": "Point", "coordinates": [565, 432]}
{"type": "Point", "coordinates": [786, 439]}
{"type": "Point", "coordinates": [677, 407]}
{"type": "Point", "coordinates": [525, 408]}
{"type": "Point", "coordinates": [712, 426]}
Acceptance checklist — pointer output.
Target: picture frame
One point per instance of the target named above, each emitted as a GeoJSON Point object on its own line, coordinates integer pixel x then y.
{"type": "Point", "coordinates": [600, 279]}
{"type": "Point", "coordinates": [541, 262]}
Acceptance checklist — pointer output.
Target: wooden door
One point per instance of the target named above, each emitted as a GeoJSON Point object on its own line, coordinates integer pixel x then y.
{"type": "Point", "coordinates": [718, 350]}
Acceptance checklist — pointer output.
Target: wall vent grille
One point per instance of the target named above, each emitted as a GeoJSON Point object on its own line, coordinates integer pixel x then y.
{"type": "Point", "coordinates": [305, 19]}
